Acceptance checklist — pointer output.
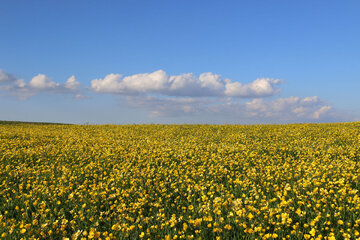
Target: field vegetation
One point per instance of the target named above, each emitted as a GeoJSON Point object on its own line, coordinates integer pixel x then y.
{"type": "Point", "coordinates": [298, 181]}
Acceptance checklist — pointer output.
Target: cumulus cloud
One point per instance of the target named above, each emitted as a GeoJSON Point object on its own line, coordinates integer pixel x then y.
{"type": "Point", "coordinates": [42, 82]}
{"type": "Point", "coordinates": [110, 84]}
{"type": "Point", "coordinates": [138, 83]}
{"type": "Point", "coordinates": [211, 81]}
{"type": "Point", "coordinates": [72, 84]}
{"type": "Point", "coordinates": [38, 84]}
{"type": "Point", "coordinates": [146, 82]}
{"type": "Point", "coordinates": [206, 85]}
{"type": "Point", "coordinates": [261, 87]}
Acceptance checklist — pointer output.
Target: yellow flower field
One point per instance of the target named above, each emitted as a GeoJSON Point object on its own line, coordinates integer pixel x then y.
{"type": "Point", "coordinates": [298, 181]}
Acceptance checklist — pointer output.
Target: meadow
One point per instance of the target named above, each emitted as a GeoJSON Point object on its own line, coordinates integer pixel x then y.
{"type": "Point", "coordinates": [297, 181]}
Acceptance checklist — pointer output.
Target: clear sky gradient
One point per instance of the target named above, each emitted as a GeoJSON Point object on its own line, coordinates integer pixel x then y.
{"type": "Point", "coordinates": [201, 61]}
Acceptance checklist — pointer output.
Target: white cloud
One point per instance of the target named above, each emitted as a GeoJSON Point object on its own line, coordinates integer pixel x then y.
{"type": "Point", "coordinates": [110, 84]}
{"type": "Point", "coordinates": [206, 85]}
{"type": "Point", "coordinates": [42, 82]}
{"type": "Point", "coordinates": [38, 84]}
{"type": "Point", "coordinates": [211, 81]}
{"type": "Point", "coordinates": [138, 83]}
{"type": "Point", "coordinates": [183, 85]}
{"type": "Point", "coordinates": [72, 84]}
{"type": "Point", "coordinates": [261, 87]}
{"type": "Point", "coordinates": [146, 82]}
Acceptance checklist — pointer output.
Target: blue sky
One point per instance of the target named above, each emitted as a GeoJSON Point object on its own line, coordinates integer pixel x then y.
{"type": "Point", "coordinates": [180, 61]}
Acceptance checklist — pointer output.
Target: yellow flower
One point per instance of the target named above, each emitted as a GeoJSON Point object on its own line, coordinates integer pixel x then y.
{"type": "Point", "coordinates": [185, 226]}
{"type": "Point", "coordinates": [228, 227]}
{"type": "Point", "coordinates": [307, 236]}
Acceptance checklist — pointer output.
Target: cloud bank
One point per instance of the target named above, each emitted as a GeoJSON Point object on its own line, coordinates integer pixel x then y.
{"type": "Point", "coordinates": [278, 110]}
{"type": "Point", "coordinates": [209, 94]}
{"type": "Point", "coordinates": [184, 85]}
{"type": "Point", "coordinates": [206, 96]}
